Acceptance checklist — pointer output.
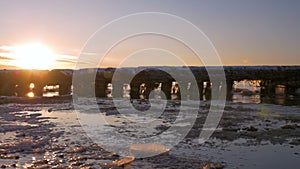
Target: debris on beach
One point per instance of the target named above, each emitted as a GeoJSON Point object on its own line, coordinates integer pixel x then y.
{"type": "Point", "coordinates": [123, 161]}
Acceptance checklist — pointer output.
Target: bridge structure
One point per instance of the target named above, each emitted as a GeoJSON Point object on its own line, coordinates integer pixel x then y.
{"type": "Point", "coordinates": [17, 82]}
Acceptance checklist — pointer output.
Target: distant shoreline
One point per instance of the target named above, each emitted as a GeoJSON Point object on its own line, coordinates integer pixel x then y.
{"type": "Point", "coordinates": [225, 66]}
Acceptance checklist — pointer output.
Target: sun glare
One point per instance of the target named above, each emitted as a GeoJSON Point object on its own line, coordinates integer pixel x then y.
{"type": "Point", "coordinates": [34, 56]}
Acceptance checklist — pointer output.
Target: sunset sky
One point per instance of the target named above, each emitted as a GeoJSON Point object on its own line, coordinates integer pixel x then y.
{"type": "Point", "coordinates": [253, 32]}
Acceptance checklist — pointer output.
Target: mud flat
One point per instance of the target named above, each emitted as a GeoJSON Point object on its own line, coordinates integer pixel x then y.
{"type": "Point", "coordinates": [46, 133]}
{"type": "Point", "coordinates": [49, 135]}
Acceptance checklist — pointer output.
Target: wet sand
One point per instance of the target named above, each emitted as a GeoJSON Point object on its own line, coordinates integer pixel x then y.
{"type": "Point", "coordinates": [45, 133]}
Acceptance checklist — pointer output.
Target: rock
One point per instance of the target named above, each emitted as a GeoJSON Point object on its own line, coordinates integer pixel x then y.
{"type": "Point", "coordinates": [45, 166]}
{"type": "Point", "coordinates": [3, 151]}
{"type": "Point", "coordinates": [123, 161]}
{"type": "Point", "coordinates": [79, 158]}
{"type": "Point", "coordinates": [295, 142]}
{"type": "Point", "coordinates": [58, 166]}
{"type": "Point", "coordinates": [14, 165]}
{"type": "Point", "coordinates": [214, 166]}
{"type": "Point", "coordinates": [113, 156]}
{"type": "Point", "coordinates": [40, 162]}
{"type": "Point", "coordinates": [35, 115]}
{"type": "Point", "coordinates": [38, 150]}
{"type": "Point", "coordinates": [292, 127]}
{"type": "Point", "coordinates": [25, 144]}
{"type": "Point", "coordinates": [147, 150]}
{"type": "Point", "coordinates": [76, 150]}
{"type": "Point", "coordinates": [251, 128]}
{"type": "Point", "coordinates": [61, 155]}
{"type": "Point", "coordinates": [9, 157]}
{"type": "Point", "coordinates": [3, 166]}
{"type": "Point", "coordinates": [231, 129]}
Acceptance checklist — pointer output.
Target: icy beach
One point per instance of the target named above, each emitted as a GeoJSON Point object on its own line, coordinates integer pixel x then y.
{"type": "Point", "coordinates": [46, 133]}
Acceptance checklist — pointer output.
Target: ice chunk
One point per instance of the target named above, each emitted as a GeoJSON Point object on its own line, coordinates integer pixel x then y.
{"type": "Point", "coordinates": [147, 150]}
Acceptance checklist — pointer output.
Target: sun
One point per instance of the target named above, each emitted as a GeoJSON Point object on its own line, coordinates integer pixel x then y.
{"type": "Point", "coordinates": [34, 56]}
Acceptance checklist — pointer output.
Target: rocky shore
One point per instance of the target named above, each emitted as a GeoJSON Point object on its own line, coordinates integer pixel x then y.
{"type": "Point", "coordinates": [45, 133]}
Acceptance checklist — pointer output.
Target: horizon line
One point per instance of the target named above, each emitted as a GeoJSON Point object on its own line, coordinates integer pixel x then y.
{"type": "Point", "coordinates": [21, 69]}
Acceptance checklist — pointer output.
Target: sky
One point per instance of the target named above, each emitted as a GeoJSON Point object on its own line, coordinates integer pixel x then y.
{"type": "Point", "coordinates": [243, 32]}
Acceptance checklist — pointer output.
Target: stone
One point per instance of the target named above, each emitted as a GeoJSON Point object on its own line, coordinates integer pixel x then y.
{"type": "Point", "coordinates": [147, 150]}
{"type": "Point", "coordinates": [251, 128]}
{"type": "Point", "coordinates": [123, 161]}
{"type": "Point", "coordinates": [214, 166]}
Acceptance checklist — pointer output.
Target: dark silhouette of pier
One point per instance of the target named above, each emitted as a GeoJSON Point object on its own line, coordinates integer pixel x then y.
{"type": "Point", "coordinates": [16, 82]}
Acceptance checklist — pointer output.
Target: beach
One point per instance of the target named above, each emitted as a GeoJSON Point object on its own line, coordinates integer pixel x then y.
{"type": "Point", "coordinates": [46, 133]}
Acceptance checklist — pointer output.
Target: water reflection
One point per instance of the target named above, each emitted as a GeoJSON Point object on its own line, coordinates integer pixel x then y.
{"type": "Point", "coordinates": [126, 90]}
{"type": "Point", "coordinates": [175, 95]}
{"type": "Point", "coordinates": [245, 91]}
{"type": "Point", "coordinates": [109, 90]}
{"type": "Point", "coordinates": [280, 90]}
{"type": "Point", "coordinates": [206, 90]}
{"type": "Point", "coordinates": [51, 91]}
{"type": "Point", "coordinates": [30, 94]}
{"type": "Point", "coordinates": [157, 91]}
{"type": "Point", "coordinates": [31, 86]}
{"type": "Point", "coordinates": [142, 91]}
{"type": "Point", "coordinates": [250, 91]}
{"type": "Point", "coordinates": [239, 98]}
